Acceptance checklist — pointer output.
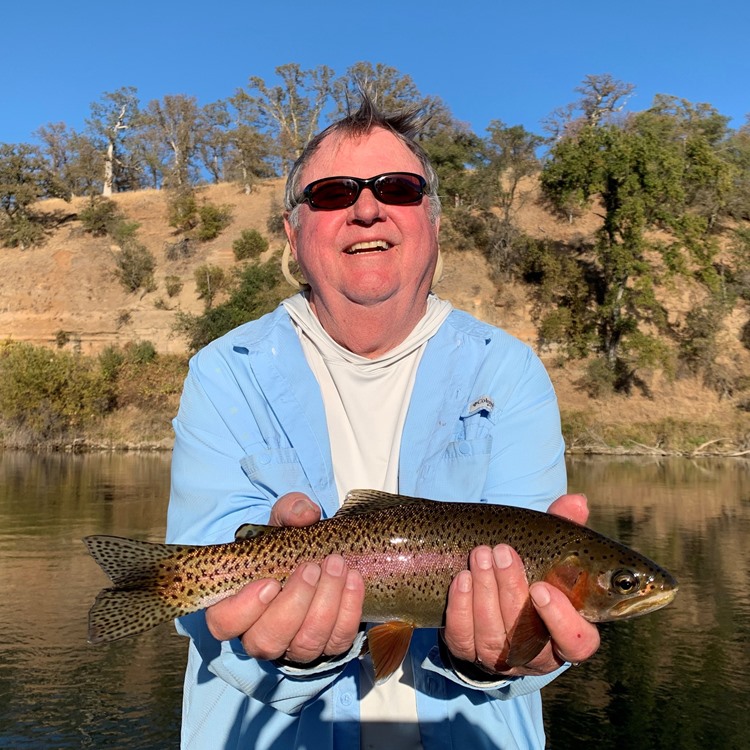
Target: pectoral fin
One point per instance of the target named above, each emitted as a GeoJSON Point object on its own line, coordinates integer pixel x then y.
{"type": "Point", "coordinates": [528, 637]}
{"type": "Point", "coordinates": [388, 644]}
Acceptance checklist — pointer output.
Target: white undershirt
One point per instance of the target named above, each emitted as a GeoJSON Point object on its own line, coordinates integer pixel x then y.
{"type": "Point", "coordinates": [366, 401]}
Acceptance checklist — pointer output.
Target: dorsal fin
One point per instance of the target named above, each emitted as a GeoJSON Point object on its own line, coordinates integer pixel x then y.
{"type": "Point", "coordinates": [251, 530]}
{"type": "Point", "coordinates": [366, 501]}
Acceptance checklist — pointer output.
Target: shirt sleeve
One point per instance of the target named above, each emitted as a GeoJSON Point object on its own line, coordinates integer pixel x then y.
{"type": "Point", "coordinates": [211, 496]}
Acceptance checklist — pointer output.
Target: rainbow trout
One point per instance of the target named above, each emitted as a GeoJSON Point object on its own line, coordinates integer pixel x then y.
{"type": "Point", "coordinates": [407, 549]}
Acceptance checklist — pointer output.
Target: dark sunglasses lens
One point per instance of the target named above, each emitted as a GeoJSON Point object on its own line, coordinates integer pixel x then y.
{"type": "Point", "coordinates": [399, 189]}
{"type": "Point", "coordinates": [338, 193]}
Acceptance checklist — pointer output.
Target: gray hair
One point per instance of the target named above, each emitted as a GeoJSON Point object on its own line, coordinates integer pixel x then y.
{"type": "Point", "coordinates": [405, 125]}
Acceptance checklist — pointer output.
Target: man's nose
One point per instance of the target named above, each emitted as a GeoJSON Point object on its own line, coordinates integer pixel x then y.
{"type": "Point", "coordinates": [367, 208]}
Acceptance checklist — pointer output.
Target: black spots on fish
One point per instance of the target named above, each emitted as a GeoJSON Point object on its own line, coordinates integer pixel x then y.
{"type": "Point", "coordinates": [118, 614]}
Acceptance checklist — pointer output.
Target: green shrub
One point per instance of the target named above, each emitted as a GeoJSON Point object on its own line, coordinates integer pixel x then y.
{"type": "Point", "coordinates": [111, 360]}
{"type": "Point", "coordinates": [139, 352]}
{"type": "Point", "coordinates": [22, 231]}
{"type": "Point", "coordinates": [209, 281]}
{"type": "Point", "coordinates": [173, 285]}
{"type": "Point", "coordinates": [258, 289]}
{"type": "Point", "coordinates": [250, 244]}
{"type": "Point", "coordinates": [182, 210]}
{"type": "Point", "coordinates": [135, 267]}
{"type": "Point", "coordinates": [213, 220]}
{"type": "Point", "coordinates": [100, 216]}
{"type": "Point", "coordinates": [50, 393]}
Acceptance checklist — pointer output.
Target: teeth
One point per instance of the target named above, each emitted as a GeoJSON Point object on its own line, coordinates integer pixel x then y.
{"type": "Point", "coordinates": [358, 247]}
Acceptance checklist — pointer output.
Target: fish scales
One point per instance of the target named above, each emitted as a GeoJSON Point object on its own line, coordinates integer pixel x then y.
{"type": "Point", "coordinates": [408, 551]}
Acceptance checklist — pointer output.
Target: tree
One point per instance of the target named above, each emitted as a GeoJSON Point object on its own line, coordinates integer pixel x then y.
{"type": "Point", "coordinates": [738, 153]}
{"type": "Point", "coordinates": [172, 128]}
{"type": "Point", "coordinates": [25, 177]}
{"type": "Point", "coordinates": [250, 151]}
{"type": "Point", "coordinates": [115, 113]}
{"type": "Point", "coordinates": [214, 138]}
{"type": "Point", "coordinates": [602, 98]}
{"type": "Point", "coordinates": [663, 168]}
{"type": "Point", "coordinates": [289, 112]}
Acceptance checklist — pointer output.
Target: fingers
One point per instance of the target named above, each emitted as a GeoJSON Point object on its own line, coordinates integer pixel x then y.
{"type": "Point", "coordinates": [483, 605]}
{"type": "Point", "coordinates": [294, 509]}
{"type": "Point", "coordinates": [316, 613]}
{"type": "Point", "coordinates": [333, 615]}
{"type": "Point", "coordinates": [231, 617]}
{"type": "Point", "coordinates": [573, 507]}
{"type": "Point", "coordinates": [573, 638]}
{"type": "Point", "coordinates": [486, 602]}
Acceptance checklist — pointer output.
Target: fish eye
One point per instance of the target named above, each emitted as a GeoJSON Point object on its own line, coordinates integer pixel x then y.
{"type": "Point", "coordinates": [624, 581]}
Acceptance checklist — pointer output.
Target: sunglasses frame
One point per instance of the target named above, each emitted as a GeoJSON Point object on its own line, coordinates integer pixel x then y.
{"type": "Point", "coordinates": [370, 182]}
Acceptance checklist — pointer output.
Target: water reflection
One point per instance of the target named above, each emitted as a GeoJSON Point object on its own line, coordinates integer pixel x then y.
{"type": "Point", "coordinates": [55, 690]}
{"type": "Point", "coordinates": [677, 678]}
{"type": "Point", "coordinates": [674, 679]}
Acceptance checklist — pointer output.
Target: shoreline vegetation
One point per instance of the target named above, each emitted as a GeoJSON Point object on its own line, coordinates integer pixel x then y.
{"type": "Point", "coordinates": [124, 399]}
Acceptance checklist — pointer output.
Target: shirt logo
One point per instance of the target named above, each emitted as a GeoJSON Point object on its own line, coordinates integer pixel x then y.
{"type": "Point", "coordinates": [483, 403]}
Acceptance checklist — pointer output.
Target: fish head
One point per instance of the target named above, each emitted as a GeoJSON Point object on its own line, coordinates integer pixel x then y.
{"type": "Point", "coordinates": [608, 581]}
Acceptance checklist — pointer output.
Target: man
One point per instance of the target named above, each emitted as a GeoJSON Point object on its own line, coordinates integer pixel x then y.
{"type": "Point", "coordinates": [366, 380]}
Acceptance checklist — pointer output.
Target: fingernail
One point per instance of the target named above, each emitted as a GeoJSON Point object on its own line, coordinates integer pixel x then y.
{"type": "Point", "coordinates": [540, 595]}
{"type": "Point", "coordinates": [463, 581]}
{"type": "Point", "coordinates": [268, 593]}
{"type": "Point", "coordinates": [301, 507]}
{"type": "Point", "coordinates": [483, 558]}
{"type": "Point", "coordinates": [334, 565]}
{"type": "Point", "coordinates": [502, 556]}
{"type": "Point", "coordinates": [352, 580]}
{"type": "Point", "coordinates": [311, 573]}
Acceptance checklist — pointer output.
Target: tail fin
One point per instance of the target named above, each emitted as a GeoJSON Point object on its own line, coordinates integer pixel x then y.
{"type": "Point", "coordinates": [136, 603]}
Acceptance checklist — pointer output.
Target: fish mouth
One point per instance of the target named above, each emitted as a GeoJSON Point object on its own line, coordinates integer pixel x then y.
{"type": "Point", "coordinates": [371, 246]}
{"type": "Point", "coordinates": [642, 605]}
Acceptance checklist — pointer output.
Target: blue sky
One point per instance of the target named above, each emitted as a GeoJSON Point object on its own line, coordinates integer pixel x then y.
{"type": "Point", "coordinates": [487, 59]}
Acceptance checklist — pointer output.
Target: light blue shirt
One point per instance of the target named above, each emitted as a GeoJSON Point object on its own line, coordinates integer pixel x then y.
{"type": "Point", "coordinates": [482, 426]}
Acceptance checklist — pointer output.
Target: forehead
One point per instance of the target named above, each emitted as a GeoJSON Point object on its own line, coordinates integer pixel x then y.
{"type": "Point", "coordinates": [360, 156]}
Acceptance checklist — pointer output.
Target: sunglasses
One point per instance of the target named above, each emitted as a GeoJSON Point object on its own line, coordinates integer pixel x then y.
{"type": "Point", "coordinates": [392, 188]}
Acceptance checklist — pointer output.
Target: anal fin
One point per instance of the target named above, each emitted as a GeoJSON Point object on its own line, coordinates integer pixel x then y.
{"type": "Point", "coordinates": [388, 644]}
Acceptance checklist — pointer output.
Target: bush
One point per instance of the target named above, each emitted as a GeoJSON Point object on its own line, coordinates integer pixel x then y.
{"type": "Point", "coordinates": [100, 217]}
{"type": "Point", "coordinates": [213, 220]}
{"type": "Point", "coordinates": [135, 267]}
{"type": "Point", "coordinates": [257, 290]}
{"type": "Point", "coordinates": [179, 250]}
{"type": "Point", "coordinates": [250, 244]}
{"type": "Point", "coordinates": [173, 285]}
{"type": "Point", "coordinates": [139, 352]}
{"type": "Point", "coordinates": [182, 211]}
{"type": "Point", "coordinates": [275, 221]}
{"type": "Point", "coordinates": [22, 231]}
{"type": "Point", "coordinates": [48, 393]}
{"type": "Point", "coordinates": [209, 281]}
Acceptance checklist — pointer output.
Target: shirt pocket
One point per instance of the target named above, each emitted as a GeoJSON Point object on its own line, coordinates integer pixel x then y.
{"type": "Point", "coordinates": [276, 471]}
{"type": "Point", "coordinates": [460, 473]}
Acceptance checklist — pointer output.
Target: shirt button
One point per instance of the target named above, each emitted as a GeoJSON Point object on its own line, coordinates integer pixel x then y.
{"type": "Point", "coordinates": [346, 699]}
{"type": "Point", "coordinates": [464, 448]}
{"type": "Point", "coordinates": [264, 459]}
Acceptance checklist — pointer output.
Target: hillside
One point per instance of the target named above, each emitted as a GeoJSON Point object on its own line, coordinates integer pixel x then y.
{"type": "Point", "coordinates": [69, 286]}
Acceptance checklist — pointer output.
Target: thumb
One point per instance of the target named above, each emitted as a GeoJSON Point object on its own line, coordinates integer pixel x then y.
{"type": "Point", "coordinates": [294, 509]}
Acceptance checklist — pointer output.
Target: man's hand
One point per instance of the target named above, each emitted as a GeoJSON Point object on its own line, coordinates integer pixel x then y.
{"type": "Point", "coordinates": [484, 603]}
{"type": "Point", "coordinates": [316, 614]}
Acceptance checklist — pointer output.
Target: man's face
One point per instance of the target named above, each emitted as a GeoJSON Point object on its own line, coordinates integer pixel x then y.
{"type": "Point", "coordinates": [370, 252]}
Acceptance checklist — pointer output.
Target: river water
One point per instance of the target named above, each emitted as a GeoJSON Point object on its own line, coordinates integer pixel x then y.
{"type": "Point", "coordinates": [675, 679]}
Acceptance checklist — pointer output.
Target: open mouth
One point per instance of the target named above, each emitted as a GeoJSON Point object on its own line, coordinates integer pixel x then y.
{"type": "Point", "coordinates": [374, 246]}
